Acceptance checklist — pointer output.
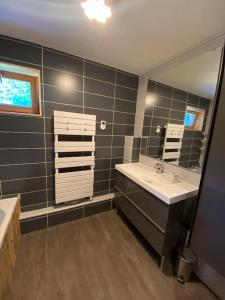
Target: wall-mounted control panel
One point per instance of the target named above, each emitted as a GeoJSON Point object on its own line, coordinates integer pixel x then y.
{"type": "Point", "coordinates": [103, 125]}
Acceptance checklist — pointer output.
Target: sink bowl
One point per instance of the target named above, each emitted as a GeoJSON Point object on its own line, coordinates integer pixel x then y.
{"type": "Point", "coordinates": [159, 179]}
{"type": "Point", "coordinates": [150, 176]}
{"type": "Point", "coordinates": [153, 179]}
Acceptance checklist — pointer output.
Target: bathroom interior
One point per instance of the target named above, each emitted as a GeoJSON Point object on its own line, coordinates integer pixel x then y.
{"type": "Point", "coordinates": [112, 149]}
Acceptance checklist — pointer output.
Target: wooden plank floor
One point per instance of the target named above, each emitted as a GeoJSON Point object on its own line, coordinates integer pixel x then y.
{"type": "Point", "coordinates": [95, 258]}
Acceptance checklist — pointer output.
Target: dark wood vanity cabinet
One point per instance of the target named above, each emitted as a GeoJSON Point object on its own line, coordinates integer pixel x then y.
{"type": "Point", "coordinates": [163, 226]}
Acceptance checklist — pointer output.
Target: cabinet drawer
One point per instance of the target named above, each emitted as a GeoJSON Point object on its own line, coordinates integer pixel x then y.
{"type": "Point", "coordinates": [151, 233]}
{"type": "Point", "coordinates": [153, 207]}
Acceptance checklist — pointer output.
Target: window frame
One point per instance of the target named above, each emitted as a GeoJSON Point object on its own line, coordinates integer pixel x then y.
{"type": "Point", "coordinates": [34, 82]}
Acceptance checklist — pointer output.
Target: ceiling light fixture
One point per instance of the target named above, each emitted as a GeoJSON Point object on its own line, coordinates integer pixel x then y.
{"type": "Point", "coordinates": [96, 9]}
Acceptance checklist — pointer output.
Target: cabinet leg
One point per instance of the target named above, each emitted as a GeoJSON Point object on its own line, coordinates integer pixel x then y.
{"type": "Point", "coordinates": [162, 260]}
{"type": "Point", "coordinates": [166, 265]}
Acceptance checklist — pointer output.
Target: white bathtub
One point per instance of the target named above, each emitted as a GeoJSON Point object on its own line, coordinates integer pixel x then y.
{"type": "Point", "coordinates": [7, 207]}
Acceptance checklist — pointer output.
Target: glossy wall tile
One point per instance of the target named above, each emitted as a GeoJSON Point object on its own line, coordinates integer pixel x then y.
{"type": "Point", "coordinates": [169, 105]}
{"type": "Point", "coordinates": [72, 84]}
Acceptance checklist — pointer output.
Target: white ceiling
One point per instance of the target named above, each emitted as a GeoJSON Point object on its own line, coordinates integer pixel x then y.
{"type": "Point", "coordinates": [140, 35]}
{"type": "Point", "coordinates": [198, 76]}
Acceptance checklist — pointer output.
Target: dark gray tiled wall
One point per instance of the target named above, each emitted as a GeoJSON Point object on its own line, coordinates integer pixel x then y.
{"type": "Point", "coordinates": [169, 107]}
{"type": "Point", "coordinates": [70, 84]}
{"type": "Point", "coordinates": [135, 149]}
{"type": "Point", "coordinates": [69, 215]}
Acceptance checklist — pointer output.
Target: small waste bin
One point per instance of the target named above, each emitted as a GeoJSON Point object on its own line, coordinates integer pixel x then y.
{"type": "Point", "coordinates": [185, 266]}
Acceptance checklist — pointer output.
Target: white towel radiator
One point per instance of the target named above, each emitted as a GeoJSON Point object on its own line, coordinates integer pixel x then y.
{"type": "Point", "coordinates": [74, 155]}
{"type": "Point", "coordinates": [173, 143]}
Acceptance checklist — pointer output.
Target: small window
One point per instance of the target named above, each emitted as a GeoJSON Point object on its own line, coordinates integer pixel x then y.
{"type": "Point", "coordinates": [194, 118]}
{"type": "Point", "coordinates": [19, 89]}
{"type": "Point", "coordinates": [190, 118]}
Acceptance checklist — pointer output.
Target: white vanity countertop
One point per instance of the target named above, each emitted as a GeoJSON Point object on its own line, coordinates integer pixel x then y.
{"type": "Point", "coordinates": [7, 206]}
{"type": "Point", "coordinates": [160, 185]}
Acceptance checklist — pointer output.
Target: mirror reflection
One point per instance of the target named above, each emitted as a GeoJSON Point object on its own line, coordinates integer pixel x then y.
{"type": "Point", "coordinates": [178, 111]}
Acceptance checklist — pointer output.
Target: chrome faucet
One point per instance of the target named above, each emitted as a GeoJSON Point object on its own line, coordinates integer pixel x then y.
{"type": "Point", "coordinates": [159, 167]}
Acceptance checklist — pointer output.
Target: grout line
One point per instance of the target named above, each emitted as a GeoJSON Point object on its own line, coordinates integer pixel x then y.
{"type": "Point", "coordinates": [78, 106]}
{"type": "Point", "coordinates": [83, 82]}
{"type": "Point", "coordinates": [189, 159]}
{"type": "Point", "coordinates": [24, 178]}
{"type": "Point", "coordinates": [22, 193]}
{"type": "Point", "coordinates": [27, 132]}
{"type": "Point", "coordinates": [45, 143]}
{"type": "Point", "coordinates": [87, 92]}
{"type": "Point", "coordinates": [169, 108]}
{"type": "Point", "coordinates": [9, 113]}
{"type": "Point", "coordinates": [34, 205]}
{"type": "Point", "coordinates": [115, 147]}
{"type": "Point", "coordinates": [112, 68]}
{"type": "Point", "coordinates": [171, 103]}
{"type": "Point", "coordinates": [107, 82]}
{"type": "Point", "coordinates": [42, 133]}
{"type": "Point", "coordinates": [22, 164]}
{"type": "Point", "coordinates": [32, 148]}
{"type": "Point", "coordinates": [150, 130]}
{"type": "Point", "coordinates": [103, 180]}
{"type": "Point", "coordinates": [19, 41]}
{"type": "Point", "coordinates": [92, 78]}
{"type": "Point", "coordinates": [43, 162]}
{"type": "Point", "coordinates": [21, 61]}
{"type": "Point", "coordinates": [111, 152]}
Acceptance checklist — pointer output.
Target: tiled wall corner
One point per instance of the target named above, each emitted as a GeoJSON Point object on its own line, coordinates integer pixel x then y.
{"type": "Point", "coordinates": [143, 145]}
{"type": "Point", "coordinates": [128, 145]}
{"type": "Point", "coordinates": [136, 149]}
{"type": "Point", "coordinates": [131, 149]}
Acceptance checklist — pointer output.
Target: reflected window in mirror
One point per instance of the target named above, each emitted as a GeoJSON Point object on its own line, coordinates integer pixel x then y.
{"type": "Point", "coordinates": [182, 95]}
{"type": "Point", "coordinates": [194, 118]}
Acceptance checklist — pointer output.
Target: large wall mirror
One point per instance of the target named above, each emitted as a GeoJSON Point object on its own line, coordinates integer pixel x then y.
{"type": "Point", "coordinates": [178, 111]}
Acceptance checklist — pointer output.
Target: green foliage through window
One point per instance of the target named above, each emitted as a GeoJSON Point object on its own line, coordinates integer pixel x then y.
{"type": "Point", "coordinates": [15, 92]}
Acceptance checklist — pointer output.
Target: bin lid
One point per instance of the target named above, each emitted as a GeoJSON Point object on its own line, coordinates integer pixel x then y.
{"type": "Point", "coordinates": [188, 256]}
